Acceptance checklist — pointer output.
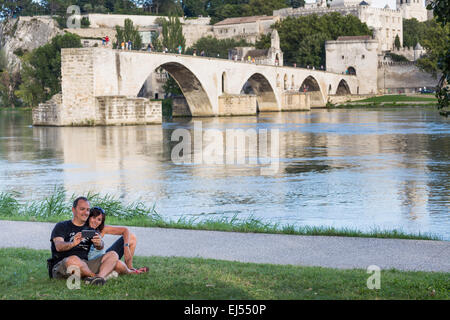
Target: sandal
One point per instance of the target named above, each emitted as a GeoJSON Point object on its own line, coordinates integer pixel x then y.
{"type": "Point", "coordinates": [142, 270]}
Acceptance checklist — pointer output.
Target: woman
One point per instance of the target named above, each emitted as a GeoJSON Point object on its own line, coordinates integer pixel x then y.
{"type": "Point", "coordinates": [124, 246]}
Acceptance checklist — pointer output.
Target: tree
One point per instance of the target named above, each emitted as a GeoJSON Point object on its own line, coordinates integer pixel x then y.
{"type": "Point", "coordinates": [194, 8]}
{"type": "Point", "coordinates": [128, 33]}
{"type": "Point", "coordinates": [441, 10]}
{"type": "Point", "coordinates": [171, 87]}
{"type": "Point", "coordinates": [172, 32]}
{"type": "Point", "coordinates": [302, 39]}
{"type": "Point", "coordinates": [9, 82]}
{"type": "Point", "coordinates": [41, 70]}
{"type": "Point", "coordinates": [214, 47]}
{"type": "Point", "coordinates": [219, 10]}
{"type": "Point", "coordinates": [296, 3]}
{"type": "Point", "coordinates": [397, 42]}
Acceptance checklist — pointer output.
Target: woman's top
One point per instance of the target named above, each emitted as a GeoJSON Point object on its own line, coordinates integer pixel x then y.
{"type": "Point", "coordinates": [95, 253]}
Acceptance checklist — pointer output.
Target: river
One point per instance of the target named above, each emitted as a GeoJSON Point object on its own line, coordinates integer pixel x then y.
{"type": "Point", "coordinates": [356, 168]}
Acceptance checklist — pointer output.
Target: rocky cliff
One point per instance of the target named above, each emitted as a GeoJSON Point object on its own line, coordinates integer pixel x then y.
{"type": "Point", "coordinates": [25, 34]}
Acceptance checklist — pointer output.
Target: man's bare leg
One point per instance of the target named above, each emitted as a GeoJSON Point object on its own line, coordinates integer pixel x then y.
{"type": "Point", "coordinates": [77, 262]}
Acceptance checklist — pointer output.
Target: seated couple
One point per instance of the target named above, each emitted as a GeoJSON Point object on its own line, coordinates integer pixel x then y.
{"type": "Point", "coordinates": [71, 250]}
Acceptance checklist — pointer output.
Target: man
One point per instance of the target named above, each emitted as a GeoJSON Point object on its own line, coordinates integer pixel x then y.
{"type": "Point", "coordinates": [70, 250]}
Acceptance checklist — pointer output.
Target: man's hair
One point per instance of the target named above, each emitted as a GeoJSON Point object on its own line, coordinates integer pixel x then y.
{"type": "Point", "coordinates": [75, 203]}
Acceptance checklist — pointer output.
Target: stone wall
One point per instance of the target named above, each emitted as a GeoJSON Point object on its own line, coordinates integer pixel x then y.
{"type": "Point", "coordinates": [48, 113]}
{"type": "Point", "coordinates": [237, 105]}
{"type": "Point", "coordinates": [122, 110]}
{"type": "Point", "coordinates": [180, 107]}
{"type": "Point", "coordinates": [295, 101]}
{"type": "Point", "coordinates": [111, 20]}
{"type": "Point", "coordinates": [403, 77]}
{"type": "Point", "coordinates": [77, 71]}
{"type": "Point", "coordinates": [361, 55]}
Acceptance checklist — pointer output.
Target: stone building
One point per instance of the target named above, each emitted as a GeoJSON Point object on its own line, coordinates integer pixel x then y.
{"type": "Point", "coordinates": [354, 55]}
{"type": "Point", "coordinates": [376, 73]}
{"type": "Point", "coordinates": [247, 28]}
{"type": "Point", "coordinates": [412, 9]}
{"type": "Point", "coordinates": [272, 56]}
{"type": "Point", "coordinates": [386, 23]}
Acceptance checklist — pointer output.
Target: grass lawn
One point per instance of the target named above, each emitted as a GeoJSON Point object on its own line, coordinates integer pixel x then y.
{"type": "Point", "coordinates": [399, 98]}
{"type": "Point", "coordinates": [24, 276]}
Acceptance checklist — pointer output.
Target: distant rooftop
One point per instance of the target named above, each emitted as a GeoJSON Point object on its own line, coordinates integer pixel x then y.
{"type": "Point", "coordinates": [239, 20]}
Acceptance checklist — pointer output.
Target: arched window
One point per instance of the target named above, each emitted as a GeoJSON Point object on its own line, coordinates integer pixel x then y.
{"type": "Point", "coordinates": [351, 71]}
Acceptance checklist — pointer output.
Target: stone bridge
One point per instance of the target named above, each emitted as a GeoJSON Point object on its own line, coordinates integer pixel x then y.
{"type": "Point", "coordinates": [94, 79]}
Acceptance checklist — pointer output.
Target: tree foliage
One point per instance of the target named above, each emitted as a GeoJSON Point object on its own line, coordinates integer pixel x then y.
{"type": "Point", "coordinates": [172, 34]}
{"type": "Point", "coordinates": [216, 48]}
{"type": "Point", "coordinates": [302, 39]}
{"type": "Point", "coordinates": [397, 42]}
{"type": "Point", "coordinates": [441, 51]}
{"type": "Point", "coordinates": [221, 9]}
{"type": "Point", "coordinates": [128, 33]}
{"type": "Point", "coordinates": [41, 70]}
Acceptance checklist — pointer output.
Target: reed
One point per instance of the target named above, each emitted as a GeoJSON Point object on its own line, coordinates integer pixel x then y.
{"type": "Point", "coordinates": [57, 207]}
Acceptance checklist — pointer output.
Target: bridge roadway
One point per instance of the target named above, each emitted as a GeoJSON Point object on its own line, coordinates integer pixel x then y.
{"type": "Point", "coordinates": [203, 80]}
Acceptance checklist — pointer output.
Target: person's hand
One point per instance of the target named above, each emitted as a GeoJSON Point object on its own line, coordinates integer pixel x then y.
{"type": "Point", "coordinates": [97, 241]}
{"type": "Point", "coordinates": [77, 239]}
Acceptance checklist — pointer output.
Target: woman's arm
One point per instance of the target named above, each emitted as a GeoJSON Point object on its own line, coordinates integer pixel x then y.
{"type": "Point", "coordinates": [119, 231]}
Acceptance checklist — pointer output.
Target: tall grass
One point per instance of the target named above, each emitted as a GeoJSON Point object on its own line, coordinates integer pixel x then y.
{"type": "Point", "coordinates": [57, 207]}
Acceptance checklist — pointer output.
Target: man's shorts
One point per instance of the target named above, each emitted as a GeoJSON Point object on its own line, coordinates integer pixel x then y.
{"type": "Point", "coordinates": [59, 270]}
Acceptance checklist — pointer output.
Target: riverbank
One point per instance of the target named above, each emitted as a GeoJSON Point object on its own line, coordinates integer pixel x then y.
{"type": "Point", "coordinates": [24, 276]}
{"type": "Point", "coordinates": [56, 207]}
{"type": "Point", "coordinates": [424, 100]}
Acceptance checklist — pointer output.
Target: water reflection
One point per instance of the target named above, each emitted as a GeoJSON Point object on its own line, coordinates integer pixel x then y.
{"type": "Point", "coordinates": [343, 168]}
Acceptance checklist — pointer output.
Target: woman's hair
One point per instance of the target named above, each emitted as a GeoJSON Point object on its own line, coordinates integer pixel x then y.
{"type": "Point", "coordinates": [95, 212]}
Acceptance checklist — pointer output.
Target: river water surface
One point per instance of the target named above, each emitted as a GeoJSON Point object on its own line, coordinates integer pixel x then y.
{"type": "Point", "coordinates": [362, 169]}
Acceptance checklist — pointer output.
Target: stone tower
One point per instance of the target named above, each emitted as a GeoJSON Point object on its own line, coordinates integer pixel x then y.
{"type": "Point", "coordinates": [275, 54]}
{"type": "Point", "coordinates": [412, 9]}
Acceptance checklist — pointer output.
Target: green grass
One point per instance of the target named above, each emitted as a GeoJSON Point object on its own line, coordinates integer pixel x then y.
{"type": "Point", "coordinates": [398, 98]}
{"type": "Point", "coordinates": [24, 276]}
{"type": "Point", "coordinates": [57, 207]}
{"type": "Point", "coordinates": [377, 105]}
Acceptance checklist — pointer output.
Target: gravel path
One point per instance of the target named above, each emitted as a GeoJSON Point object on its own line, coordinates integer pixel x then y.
{"type": "Point", "coordinates": [333, 252]}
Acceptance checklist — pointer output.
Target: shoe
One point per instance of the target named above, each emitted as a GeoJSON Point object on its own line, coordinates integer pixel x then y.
{"type": "Point", "coordinates": [113, 274]}
{"type": "Point", "coordinates": [98, 281]}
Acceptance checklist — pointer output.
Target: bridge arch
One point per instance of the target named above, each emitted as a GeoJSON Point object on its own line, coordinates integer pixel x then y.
{"type": "Point", "coordinates": [265, 96]}
{"type": "Point", "coordinates": [311, 86]}
{"type": "Point", "coordinates": [198, 101]}
{"type": "Point", "coordinates": [343, 88]}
